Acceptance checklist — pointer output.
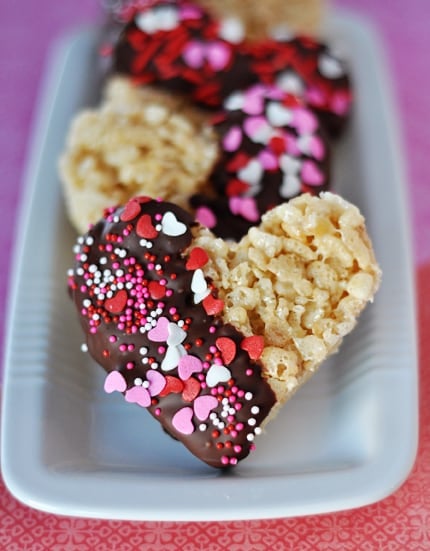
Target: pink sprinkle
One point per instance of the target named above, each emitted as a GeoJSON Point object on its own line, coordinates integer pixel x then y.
{"type": "Point", "coordinates": [252, 447]}
{"type": "Point", "coordinates": [237, 448]}
{"type": "Point", "coordinates": [112, 338]}
{"type": "Point", "coordinates": [129, 365]}
{"type": "Point", "coordinates": [212, 329]}
{"type": "Point", "coordinates": [93, 330]}
{"type": "Point", "coordinates": [122, 347]}
{"type": "Point", "coordinates": [158, 217]}
{"type": "Point", "coordinates": [241, 393]}
{"type": "Point", "coordinates": [239, 426]}
{"type": "Point", "coordinates": [161, 349]}
{"type": "Point", "coordinates": [169, 293]}
{"type": "Point", "coordinates": [249, 372]}
{"type": "Point", "coordinates": [224, 460]}
{"type": "Point", "coordinates": [158, 412]}
{"type": "Point", "coordinates": [172, 310]}
{"type": "Point", "coordinates": [233, 461]}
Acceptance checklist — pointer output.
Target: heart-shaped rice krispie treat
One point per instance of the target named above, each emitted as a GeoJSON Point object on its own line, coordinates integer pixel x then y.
{"type": "Point", "coordinates": [138, 141]}
{"type": "Point", "coordinates": [212, 337]}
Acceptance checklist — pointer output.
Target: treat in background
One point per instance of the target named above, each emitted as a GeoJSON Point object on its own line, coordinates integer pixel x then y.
{"type": "Point", "coordinates": [213, 338]}
{"type": "Point", "coordinates": [138, 141]}
{"type": "Point", "coordinates": [272, 149]}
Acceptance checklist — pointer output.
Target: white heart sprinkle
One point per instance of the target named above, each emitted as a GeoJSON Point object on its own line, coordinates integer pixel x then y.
{"type": "Point", "coordinates": [172, 357]}
{"type": "Point", "coordinates": [176, 335]}
{"type": "Point", "coordinates": [171, 225]}
{"type": "Point", "coordinates": [163, 19]}
{"type": "Point", "coordinates": [217, 374]}
{"type": "Point", "coordinates": [232, 30]}
{"type": "Point", "coordinates": [289, 164]}
{"type": "Point", "coordinates": [199, 286]}
{"type": "Point", "coordinates": [290, 82]}
{"type": "Point", "coordinates": [251, 173]}
{"type": "Point", "coordinates": [330, 67]}
{"type": "Point", "coordinates": [234, 101]}
{"type": "Point", "coordinates": [278, 115]}
{"type": "Point", "coordinates": [290, 186]}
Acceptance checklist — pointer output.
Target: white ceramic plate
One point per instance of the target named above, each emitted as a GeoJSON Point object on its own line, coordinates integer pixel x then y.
{"type": "Point", "coordinates": [348, 438]}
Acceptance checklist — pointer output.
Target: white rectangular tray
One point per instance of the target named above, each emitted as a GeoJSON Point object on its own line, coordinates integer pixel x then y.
{"type": "Point", "coordinates": [348, 438]}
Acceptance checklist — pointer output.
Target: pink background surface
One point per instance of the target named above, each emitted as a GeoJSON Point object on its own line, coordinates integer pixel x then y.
{"type": "Point", "coordinates": [401, 521]}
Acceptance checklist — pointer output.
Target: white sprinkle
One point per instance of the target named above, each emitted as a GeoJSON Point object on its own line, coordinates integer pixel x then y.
{"type": "Point", "coordinates": [224, 414]}
{"type": "Point", "coordinates": [248, 396]}
{"type": "Point", "coordinates": [80, 272]}
{"type": "Point", "coordinates": [80, 240]}
{"type": "Point", "coordinates": [84, 348]}
{"type": "Point", "coordinates": [83, 257]}
{"type": "Point", "coordinates": [154, 365]}
{"type": "Point", "coordinates": [87, 303]}
{"type": "Point", "coordinates": [138, 381]}
{"type": "Point", "coordinates": [250, 437]}
{"type": "Point", "coordinates": [202, 427]}
{"type": "Point", "coordinates": [143, 350]}
{"type": "Point", "coordinates": [255, 410]}
{"type": "Point", "coordinates": [145, 384]}
{"type": "Point", "coordinates": [89, 240]}
{"type": "Point", "coordinates": [145, 360]}
{"type": "Point", "coordinates": [103, 260]}
{"type": "Point", "coordinates": [258, 430]}
{"type": "Point", "coordinates": [252, 422]}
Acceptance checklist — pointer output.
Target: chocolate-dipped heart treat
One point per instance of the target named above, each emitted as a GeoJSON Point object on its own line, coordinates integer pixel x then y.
{"type": "Point", "coordinates": [272, 149]}
{"type": "Point", "coordinates": [212, 338]}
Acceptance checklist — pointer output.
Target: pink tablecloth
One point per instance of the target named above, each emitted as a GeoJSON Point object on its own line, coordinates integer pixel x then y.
{"type": "Point", "coordinates": [401, 521]}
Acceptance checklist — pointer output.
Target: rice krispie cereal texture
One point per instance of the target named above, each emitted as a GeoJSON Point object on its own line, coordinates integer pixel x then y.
{"type": "Point", "coordinates": [139, 141]}
{"type": "Point", "coordinates": [265, 18]}
{"type": "Point", "coordinates": [301, 279]}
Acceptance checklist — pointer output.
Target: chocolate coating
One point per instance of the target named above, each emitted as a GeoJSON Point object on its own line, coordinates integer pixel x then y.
{"type": "Point", "coordinates": [154, 324]}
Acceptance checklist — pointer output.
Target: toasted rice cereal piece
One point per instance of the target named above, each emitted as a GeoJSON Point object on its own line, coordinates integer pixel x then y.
{"type": "Point", "coordinates": [139, 141]}
{"type": "Point", "coordinates": [264, 18]}
{"type": "Point", "coordinates": [300, 279]}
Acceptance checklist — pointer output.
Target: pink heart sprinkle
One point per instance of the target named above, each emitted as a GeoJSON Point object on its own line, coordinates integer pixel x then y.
{"type": "Point", "coordinates": [268, 160]}
{"type": "Point", "coordinates": [182, 421]}
{"type": "Point", "coordinates": [340, 103]}
{"type": "Point", "coordinates": [194, 54]}
{"type": "Point", "coordinates": [304, 120]}
{"type": "Point", "coordinates": [317, 148]}
{"type": "Point", "coordinates": [245, 207]}
{"type": "Point", "coordinates": [157, 382]}
{"type": "Point", "coordinates": [232, 139]}
{"type": "Point", "coordinates": [138, 395]}
{"type": "Point", "coordinates": [188, 365]}
{"type": "Point", "coordinates": [160, 332]}
{"type": "Point", "coordinates": [253, 101]}
{"type": "Point", "coordinates": [218, 55]}
{"type": "Point", "coordinates": [115, 382]}
{"type": "Point", "coordinates": [311, 174]}
{"type": "Point", "coordinates": [203, 405]}
{"type": "Point", "coordinates": [206, 217]}
{"type": "Point", "coordinates": [189, 12]}
{"type": "Point", "coordinates": [252, 125]}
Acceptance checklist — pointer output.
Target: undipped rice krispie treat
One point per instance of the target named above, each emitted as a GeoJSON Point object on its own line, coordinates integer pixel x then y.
{"type": "Point", "coordinates": [138, 141]}
{"type": "Point", "coordinates": [212, 338]}
{"type": "Point", "coordinates": [270, 17]}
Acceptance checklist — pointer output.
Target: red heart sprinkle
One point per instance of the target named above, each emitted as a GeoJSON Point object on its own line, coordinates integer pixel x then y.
{"type": "Point", "coordinates": [253, 345]}
{"type": "Point", "coordinates": [144, 227]}
{"type": "Point", "coordinates": [239, 161]}
{"type": "Point", "coordinates": [278, 145]}
{"type": "Point", "coordinates": [227, 347]}
{"type": "Point", "coordinates": [213, 305]}
{"type": "Point", "coordinates": [117, 303]}
{"type": "Point", "coordinates": [236, 187]}
{"type": "Point", "coordinates": [131, 210]}
{"type": "Point", "coordinates": [191, 389]}
{"type": "Point", "coordinates": [197, 259]}
{"type": "Point", "coordinates": [173, 385]}
{"type": "Point", "coordinates": [156, 290]}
